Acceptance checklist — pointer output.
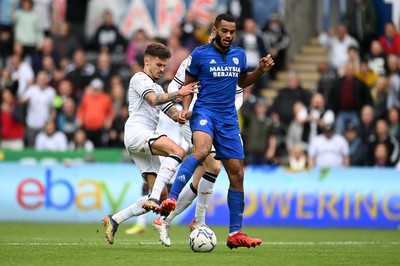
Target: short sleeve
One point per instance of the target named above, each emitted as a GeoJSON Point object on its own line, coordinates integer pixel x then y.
{"type": "Point", "coordinates": [142, 84]}
{"type": "Point", "coordinates": [193, 66]}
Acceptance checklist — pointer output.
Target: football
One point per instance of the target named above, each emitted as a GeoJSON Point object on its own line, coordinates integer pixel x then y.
{"type": "Point", "coordinates": [202, 239]}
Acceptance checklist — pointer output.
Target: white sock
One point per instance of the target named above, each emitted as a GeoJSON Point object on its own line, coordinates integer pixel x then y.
{"type": "Point", "coordinates": [186, 198]}
{"type": "Point", "coordinates": [205, 191]}
{"type": "Point", "coordinates": [135, 209]}
{"type": "Point", "coordinates": [164, 175]}
{"type": "Point", "coordinates": [141, 220]}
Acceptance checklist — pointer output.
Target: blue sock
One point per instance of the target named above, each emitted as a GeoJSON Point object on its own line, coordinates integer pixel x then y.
{"type": "Point", "coordinates": [183, 176]}
{"type": "Point", "coordinates": [236, 208]}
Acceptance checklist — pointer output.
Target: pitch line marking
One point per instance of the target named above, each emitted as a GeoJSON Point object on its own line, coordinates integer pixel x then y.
{"type": "Point", "coordinates": [329, 243]}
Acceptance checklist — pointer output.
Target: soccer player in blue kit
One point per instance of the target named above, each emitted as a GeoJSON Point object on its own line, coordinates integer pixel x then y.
{"type": "Point", "coordinates": [219, 67]}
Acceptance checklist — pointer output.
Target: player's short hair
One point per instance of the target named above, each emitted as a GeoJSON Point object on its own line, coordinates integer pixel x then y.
{"type": "Point", "coordinates": [157, 49]}
{"type": "Point", "coordinates": [225, 17]}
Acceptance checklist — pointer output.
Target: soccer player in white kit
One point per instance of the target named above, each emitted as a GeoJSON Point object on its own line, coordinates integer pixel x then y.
{"type": "Point", "coordinates": [205, 175]}
{"type": "Point", "coordinates": [146, 100]}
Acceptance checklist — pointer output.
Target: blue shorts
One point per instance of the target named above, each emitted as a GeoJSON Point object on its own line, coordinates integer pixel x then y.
{"type": "Point", "coordinates": [226, 136]}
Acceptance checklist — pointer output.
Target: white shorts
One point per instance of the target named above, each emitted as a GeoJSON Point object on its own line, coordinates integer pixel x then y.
{"type": "Point", "coordinates": [138, 145]}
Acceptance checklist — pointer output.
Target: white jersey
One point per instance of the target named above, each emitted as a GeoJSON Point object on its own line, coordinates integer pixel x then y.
{"type": "Point", "coordinates": [143, 118]}
{"type": "Point", "coordinates": [176, 84]}
{"type": "Point", "coordinates": [329, 152]}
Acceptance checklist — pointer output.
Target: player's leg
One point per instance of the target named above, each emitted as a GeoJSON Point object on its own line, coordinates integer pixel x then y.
{"type": "Point", "coordinates": [205, 189]}
{"type": "Point", "coordinates": [140, 225]}
{"type": "Point", "coordinates": [112, 221]}
{"type": "Point", "coordinates": [202, 142]}
{"type": "Point", "coordinates": [165, 147]}
{"type": "Point", "coordinates": [147, 166]}
{"type": "Point", "coordinates": [236, 238]}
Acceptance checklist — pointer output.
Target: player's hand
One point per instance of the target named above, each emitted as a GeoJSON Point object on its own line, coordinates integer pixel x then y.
{"type": "Point", "coordinates": [189, 89]}
{"type": "Point", "coordinates": [182, 116]}
{"type": "Point", "coordinates": [266, 63]}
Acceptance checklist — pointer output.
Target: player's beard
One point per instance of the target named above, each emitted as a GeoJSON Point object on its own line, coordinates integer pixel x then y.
{"type": "Point", "coordinates": [218, 40]}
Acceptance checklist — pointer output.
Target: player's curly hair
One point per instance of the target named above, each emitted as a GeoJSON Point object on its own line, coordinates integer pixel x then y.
{"type": "Point", "coordinates": [157, 49]}
{"type": "Point", "coordinates": [225, 17]}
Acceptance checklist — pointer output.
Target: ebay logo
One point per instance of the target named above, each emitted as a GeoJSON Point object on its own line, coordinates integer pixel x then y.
{"type": "Point", "coordinates": [61, 194]}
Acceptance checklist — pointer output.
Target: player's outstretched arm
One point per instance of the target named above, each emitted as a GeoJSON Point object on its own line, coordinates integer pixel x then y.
{"type": "Point", "coordinates": [249, 78]}
{"type": "Point", "coordinates": [154, 99]}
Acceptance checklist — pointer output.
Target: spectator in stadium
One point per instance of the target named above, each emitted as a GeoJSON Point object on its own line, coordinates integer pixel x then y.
{"type": "Point", "coordinates": [282, 107]}
{"type": "Point", "coordinates": [382, 135]}
{"type": "Point", "coordinates": [330, 19]}
{"type": "Point", "coordinates": [27, 28]}
{"type": "Point", "coordinates": [328, 149]}
{"type": "Point", "coordinates": [327, 76]}
{"type": "Point", "coordinates": [118, 96]}
{"type": "Point", "coordinates": [12, 128]}
{"type": "Point", "coordinates": [356, 149]}
{"type": "Point", "coordinates": [381, 156]}
{"type": "Point", "coordinates": [65, 90]}
{"type": "Point", "coordinates": [80, 73]}
{"type": "Point", "coordinates": [317, 115]}
{"type": "Point", "coordinates": [366, 74]}
{"type": "Point", "coordinates": [361, 20]}
{"type": "Point", "coordinates": [277, 42]}
{"type": "Point", "coordinates": [65, 43]}
{"type": "Point", "coordinates": [252, 43]}
{"type": "Point", "coordinates": [353, 56]}
{"type": "Point", "coordinates": [39, 98]}
{"type": "Point", "coordinates": [21, 73]}
{"type": "Point", "coordinates": [394, 81]}
{"type": "Point", "coordinates": [188, 28]}
{"type": "Point", "coordinates": [66, 119]}
{"type": "Point", "coordinates": [76, 16]}
{"type": "Point", "coordinates": [105, 69]}
{"type": "Point", "coordinates": [379, 95]}
{"type": "Point", "coordinates": [240, 10]}
{"type": "Point", "coordinates": [179, 53]}
{"type": "Point", "coordinates": [116, 132]}
{"type": "Point", "coordinates": [295, 130]}
{"type": "Point", "coordinates": [6, 81]}
{"type": "Point", "coordinates": [6, 45]}
{"type": "Point", "coordinates": [95, 112]}
{"type": "Point", "coordinates": [49, 139]}
{"type": "Point", "coordinates": [337, 45]}
{"type": "Point", "coordinates": [367, 124]}
{"type": "Point", "coordinates": [394, 122]}
{"type": "Point", "coordinates": [80, 142]}
{"type": "Point", "coordinates": [297, 159]}
{"type": "Point", "coordinates": [390, 40]}
{"type": "Point", "coordinates": [135, 50]}
{"type": "Point", "coordinates": [47, 49]}
{"type": "Point", "coordinates": [107, 38]}
{"type": "Point", "coordinates": [49, 66]}
{"type": "Point", "coordinates": [44, 10]}
{"type": "Point", "coordinates": [260, 139]}
{"type": "Point", "coordinates": [377, 58]}
{"type": "Point", "coordinates": [347, 98]}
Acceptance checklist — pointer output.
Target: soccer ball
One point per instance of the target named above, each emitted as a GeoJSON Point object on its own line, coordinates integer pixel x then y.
{"type": "Point", "coordinates": [202, 239]}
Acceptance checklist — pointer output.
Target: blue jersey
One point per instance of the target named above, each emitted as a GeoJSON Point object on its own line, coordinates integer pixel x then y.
{"type": "Point", "coordinates": [218, 74]}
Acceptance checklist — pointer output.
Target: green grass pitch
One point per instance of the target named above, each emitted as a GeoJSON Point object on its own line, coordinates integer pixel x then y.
{"type": "Point", "coordinates": [84, 244]}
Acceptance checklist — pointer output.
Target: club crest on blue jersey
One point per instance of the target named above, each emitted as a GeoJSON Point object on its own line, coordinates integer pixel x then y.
{"type": "Point", "coordinates": [203, 122]}
{"type": "Point", "coordinates": [235, 60]}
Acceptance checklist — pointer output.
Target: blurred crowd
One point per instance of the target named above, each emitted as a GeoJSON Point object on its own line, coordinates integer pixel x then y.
{"type": "Point", "coordinates": [61, 92]}
{"type": "Point", "coordinates": [351, 118]}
